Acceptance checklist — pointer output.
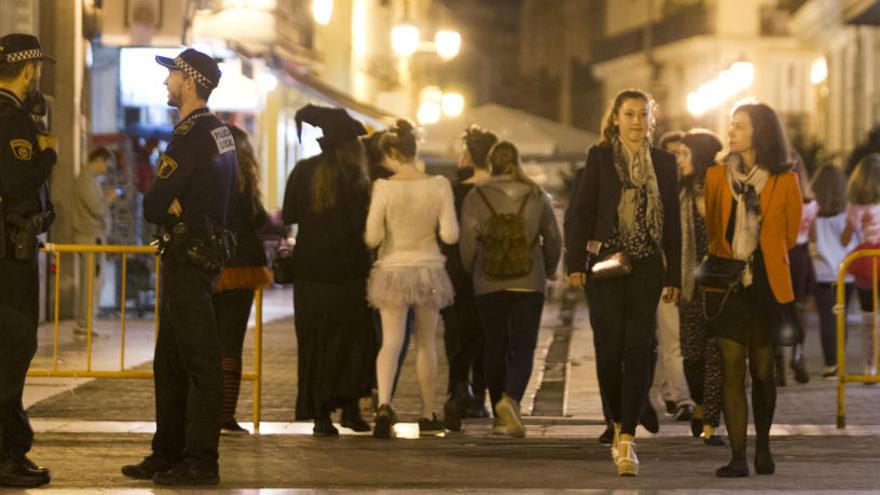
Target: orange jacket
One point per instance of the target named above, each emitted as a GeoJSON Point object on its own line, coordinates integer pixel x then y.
{"type": "Point", "coordinates": [781, 204]}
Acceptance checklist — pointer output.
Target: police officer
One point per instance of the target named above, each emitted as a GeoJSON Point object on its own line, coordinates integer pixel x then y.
{"type": "Point", "coordinates": [196, 184]}
{"type": "Point", "coordinates": [26, 160]}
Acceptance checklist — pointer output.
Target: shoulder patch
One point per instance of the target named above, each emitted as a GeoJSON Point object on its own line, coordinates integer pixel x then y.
{"type": "Point", "coordinates": [22, 149]}
{"type": "Point", "coordinates": [223, 138]}
{"type": "Point", "coordinates": [184, 127]}
{"type": "Point", "coordinates": [166, 167]}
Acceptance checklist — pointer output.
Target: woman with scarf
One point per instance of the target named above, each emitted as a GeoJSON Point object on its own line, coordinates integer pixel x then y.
{"type": "Point", "coordinates": [627, 204]}
{"type": "Point", "coordinates": [700, 352]}
{"type": "Point", "coordinates": [753, 213]}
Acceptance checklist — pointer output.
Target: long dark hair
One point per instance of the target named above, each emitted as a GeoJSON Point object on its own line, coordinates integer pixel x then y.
{"type": "Point", "coordinates": [829, 186]}
{"type": "Point", "coordinates": [248, 169]}
{"type": "Point", "coordinates": [864, 183]}
{"type": "Point", "coordinates": [768, 138]}
{"type": "Point", "coordinates": [703, 145]}
{"type": "Point", "coordinates": [610, 129]}
{"type": "Point", "coordinates": [344, 163]}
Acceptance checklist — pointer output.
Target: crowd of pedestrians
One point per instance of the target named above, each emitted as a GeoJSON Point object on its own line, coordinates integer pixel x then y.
{"type": "Point", "coordinates": [698, 266]}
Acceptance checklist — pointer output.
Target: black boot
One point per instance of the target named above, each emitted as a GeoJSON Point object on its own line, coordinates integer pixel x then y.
{"type": "Point", "coordinates": [798, 365]}
{"type": "Point", "coordinates": [16, 472]}
{"type": "Point", "coordinates": [779, 368]}
{"type": "Point", "coordinates": [324, 427]}
{"type": "Point", "coordinates": [351, 417]}
{"type": "Point", "coordinates": [763, 408]}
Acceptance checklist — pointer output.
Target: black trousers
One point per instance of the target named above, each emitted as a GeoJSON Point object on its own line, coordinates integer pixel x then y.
{"type": "Point", "coordinates": [463, 338]}
{"type": "Point", "coordinates": [511, 321]}
{"type": "Point", "coordinates": [826, 298]}
{"type": "Point", "coordinates": [623, 316]}
{"type": "Point", "coordinates": [19, 299]}
{"type": "Point", "coordinates": [187, 367]}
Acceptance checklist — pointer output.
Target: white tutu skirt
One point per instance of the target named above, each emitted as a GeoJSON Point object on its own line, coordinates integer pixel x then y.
{"type": "Point", "coordinates": [409, 286]}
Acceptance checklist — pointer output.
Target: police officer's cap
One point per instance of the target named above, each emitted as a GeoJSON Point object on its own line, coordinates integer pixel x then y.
{"type": "Point", "coordinates": [338, 126]}
{"type": "Point", "coordinates": [19, 47]}
{"type": "Point", "coordinates": [202, 68]}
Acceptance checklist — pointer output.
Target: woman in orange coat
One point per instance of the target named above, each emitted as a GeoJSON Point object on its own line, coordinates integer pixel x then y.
{"type": "Point", "coordinates": [753, 211]}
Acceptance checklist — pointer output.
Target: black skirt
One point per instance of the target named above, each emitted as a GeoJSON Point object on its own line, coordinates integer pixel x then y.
{"type": "Point", "coordinates": [750, 316]}
{"type": "Point", "coordinates": [336, 345]}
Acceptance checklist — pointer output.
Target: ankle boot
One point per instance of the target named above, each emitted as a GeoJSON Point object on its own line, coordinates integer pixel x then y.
{"type": "Point", "coordinates": [763, 408]}
{"type": "Point", "coordinates": [798, 364]}
{"type": "Point", "coordinates": [351, 417]}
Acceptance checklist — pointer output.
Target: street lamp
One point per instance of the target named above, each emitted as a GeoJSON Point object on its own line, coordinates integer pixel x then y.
{"type": "Point", "coordinates": [819, 71]}
{"type": "Point", "coordinates": [429, 112]}
{"type": "Point", "coordinates": [322, 11]}
{"type": "Point", "coordinates": [453, 104]}
{"type": "Point", "coordinates": [447, 43]}
{"type": "Point", "coordinates": [405, 39]}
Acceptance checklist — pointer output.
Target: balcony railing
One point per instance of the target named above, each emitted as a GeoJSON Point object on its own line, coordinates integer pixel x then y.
{"type": "Point", "coordinates": [684, 23]}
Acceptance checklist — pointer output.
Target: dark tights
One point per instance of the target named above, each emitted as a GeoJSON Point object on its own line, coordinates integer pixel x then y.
{"type": "Point", "coordinates": [736, 414]}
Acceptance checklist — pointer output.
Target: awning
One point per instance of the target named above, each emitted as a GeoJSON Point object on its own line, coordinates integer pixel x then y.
{"type": "Point", "coordinates": [861, 12]}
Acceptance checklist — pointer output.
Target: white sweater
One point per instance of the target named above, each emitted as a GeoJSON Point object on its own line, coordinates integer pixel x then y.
{"type": "Point", "coordinates": [403, 221]}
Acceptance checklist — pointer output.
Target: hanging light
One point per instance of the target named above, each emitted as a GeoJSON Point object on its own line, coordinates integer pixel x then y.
{"type": "Point", "coordinates": [447, 43]}
{"type": "Point", "coordinates": [429, 112]}
{"type": "Point", "coordinates": [405, 39]}
{"type": "Point", "coordinates": [322, 11]}
{"type": "Point", "coordinates": [453, 104]}
{"type": "Point", "coordinates": [819, 71]}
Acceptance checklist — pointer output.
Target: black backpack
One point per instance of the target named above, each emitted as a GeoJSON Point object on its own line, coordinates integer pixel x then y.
{"type": "Point", "coordinates": [507, 253]}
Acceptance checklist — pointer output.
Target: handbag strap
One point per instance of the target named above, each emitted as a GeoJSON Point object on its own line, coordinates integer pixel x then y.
{"type": "Point", "coordinates": [727, 293]}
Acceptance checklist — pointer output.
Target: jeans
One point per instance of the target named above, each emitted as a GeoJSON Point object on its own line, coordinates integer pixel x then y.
{"type": "Point", "coordinates": [511, 320]}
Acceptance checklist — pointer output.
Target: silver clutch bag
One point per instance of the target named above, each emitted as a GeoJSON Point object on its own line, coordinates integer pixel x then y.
{"type": "Point", "coordinates": [614, 265]}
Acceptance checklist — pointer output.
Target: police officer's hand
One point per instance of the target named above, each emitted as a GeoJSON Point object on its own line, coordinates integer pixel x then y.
{"type": "Point", "coordinates": [175, 208]}
{"type": "Point", "coordinates": [577, 279]}
{"type": "Point", "coordinates": [46, 141]}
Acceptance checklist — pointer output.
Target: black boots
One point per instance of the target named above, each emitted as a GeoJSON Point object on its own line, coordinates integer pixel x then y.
{"type": "Point", "coordinates": [798, 364]}
{"type": "Point", "coordinates": [20, 472]}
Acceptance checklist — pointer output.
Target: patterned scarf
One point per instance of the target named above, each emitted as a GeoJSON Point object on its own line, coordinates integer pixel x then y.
{"type": "Point", "coordinates": [746, 188]}
{"type": "Point", "coordinates": [634, 175]}
{"type": "Point", "coordinates": [687, 199]}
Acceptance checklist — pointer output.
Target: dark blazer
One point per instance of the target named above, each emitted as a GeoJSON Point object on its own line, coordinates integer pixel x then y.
{"type": "Point", "coordinates": [594, 202]}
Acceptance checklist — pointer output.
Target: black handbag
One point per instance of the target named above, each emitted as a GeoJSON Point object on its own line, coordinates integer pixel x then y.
{"type": "Point", "coordinates": [282, 262]}
{"type": "Point", "coordinates": [717, 273]}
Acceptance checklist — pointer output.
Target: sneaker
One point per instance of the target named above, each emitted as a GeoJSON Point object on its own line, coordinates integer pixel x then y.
{"type": "Point", "coordinates": [431, 426]}
{"type": "Point", "coordinates": [385, 419]}
{"type": "Point", "coordinates": [188, 473]}
{"type": "Point", "coordinates": [508, 411]}
{"type": "Point", "coordinates": [147, 468]}
{"type": "Point", "coordinates": [829, 372]}
{"type": "Point", "coordinates": [232, 427]}
{"type": "Point", "coordinates": [498, 427]}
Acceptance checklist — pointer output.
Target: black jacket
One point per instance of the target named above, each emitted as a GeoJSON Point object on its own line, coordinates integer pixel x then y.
{"type": "Point", "coordinates": [200, 169]}
{"type": "Point", "coordinates": [245, 220]}
{"type": "Point", "coordinates": [595, 197]}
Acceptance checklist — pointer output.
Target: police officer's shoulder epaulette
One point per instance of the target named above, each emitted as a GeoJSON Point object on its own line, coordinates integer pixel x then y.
{"type": "Point", "coordinates": [184, 127]}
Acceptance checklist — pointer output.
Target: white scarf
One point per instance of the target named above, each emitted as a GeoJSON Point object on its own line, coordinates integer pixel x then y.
{"type": "Point", "coordinates": [746, 188]}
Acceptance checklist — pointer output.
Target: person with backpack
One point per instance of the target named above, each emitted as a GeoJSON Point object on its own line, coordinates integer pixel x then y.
{"type": "Point", "coordinates": [624, 245]}
{"type": "Point", "coordinates": [510, 243]}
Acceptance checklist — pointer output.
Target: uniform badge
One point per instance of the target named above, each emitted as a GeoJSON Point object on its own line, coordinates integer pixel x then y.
{"type": "Point", "coordinates": [223, 138]}
{"type": "Point", "coordinates": [167, 166]}
{"type": "Point", "coordinates": [184, 127]}
{"type": "Point", "coordinates": [22, 149]}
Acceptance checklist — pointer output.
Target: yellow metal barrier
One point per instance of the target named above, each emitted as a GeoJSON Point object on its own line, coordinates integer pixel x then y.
{"type": "Point", "coordinates": [255, 376]}
{"type": "Point", "coordinates": [840, 309]}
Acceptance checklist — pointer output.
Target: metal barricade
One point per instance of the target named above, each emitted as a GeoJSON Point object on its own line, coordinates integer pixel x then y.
{"type": "Point", "coordinates": [57, 249]}
{"type": "Point", "coordinates": [840, 309]}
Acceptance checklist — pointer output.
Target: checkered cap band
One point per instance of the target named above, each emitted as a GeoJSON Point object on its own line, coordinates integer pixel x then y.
{"type": "Point", "coordinates": [21, 56]}
{"type": "Point", "coordinates": [193, 73]}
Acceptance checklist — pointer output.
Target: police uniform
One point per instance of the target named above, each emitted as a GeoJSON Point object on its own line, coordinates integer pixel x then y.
{"type": "Point", "coordinates": [199, 169]}
{"type": "Point", "coordinates": [25, 212]}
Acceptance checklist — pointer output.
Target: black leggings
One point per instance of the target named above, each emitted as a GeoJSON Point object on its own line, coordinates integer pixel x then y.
{"type": "Point", "coordinates": [623, 316]}
{"type": "Point", "coordinates": [232, 309]}
{"type": "Point", "coordinates": [826, 298]}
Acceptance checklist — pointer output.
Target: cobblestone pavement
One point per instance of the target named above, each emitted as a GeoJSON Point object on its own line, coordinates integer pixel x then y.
{"type": "Point", "coordinates": [560, 453]}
